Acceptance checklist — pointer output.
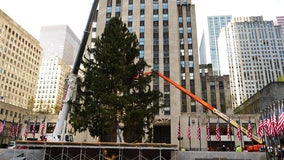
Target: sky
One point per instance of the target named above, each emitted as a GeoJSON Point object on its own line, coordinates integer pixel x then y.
{"type": "Point", "coordinates": [269, 9]}
{"type": "Point", "coordinates": [33, 14]}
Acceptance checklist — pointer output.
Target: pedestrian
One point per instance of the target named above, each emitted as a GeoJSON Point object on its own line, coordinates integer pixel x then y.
{"type": "Point", "coordinates": [238, 148]}
{"type": "Point", "coordinates": [224, 148]}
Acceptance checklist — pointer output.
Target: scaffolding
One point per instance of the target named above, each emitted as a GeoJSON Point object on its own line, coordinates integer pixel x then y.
{"type": "Point", "coordinates": [100, 150]}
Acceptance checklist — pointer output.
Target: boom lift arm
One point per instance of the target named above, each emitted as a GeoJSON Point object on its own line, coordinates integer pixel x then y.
{"type": "Point", "coordinates": [59, 131]}
{"type": "Point", "coordinates": [208, 106]}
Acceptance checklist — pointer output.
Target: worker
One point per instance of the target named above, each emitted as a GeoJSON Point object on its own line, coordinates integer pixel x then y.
{"type": "Point", "coordinates": [238, 148]}
{"type": "Point", "coordinates": [223, 148]}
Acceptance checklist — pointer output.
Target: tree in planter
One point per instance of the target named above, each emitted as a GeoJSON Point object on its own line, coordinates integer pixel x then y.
{"type": "Point", "coordinates": [111, 93]}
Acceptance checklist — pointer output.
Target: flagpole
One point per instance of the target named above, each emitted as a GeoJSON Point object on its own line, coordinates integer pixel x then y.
{"type": "Point", "coordinates": [241, 137]}
{"type": "Point", "coordinates": [3, 127]}
{"type": "Point", "coordinates": [179, 134]}
{"type": "Point", "coordinates": [199, 132]}
{"type": "Point", "coordinates": [263, 130]}
{"type": "Point", "coordinates": [280, 109]}
{"type": "Point", "coordinates": [208, 132]}
{"type": "Point", "coordinates": [189, 134]}
{"type": "Point", "coordinates": [217, 130]}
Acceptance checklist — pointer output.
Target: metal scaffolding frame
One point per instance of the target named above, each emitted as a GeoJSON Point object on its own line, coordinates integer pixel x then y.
{"type": "Point", "coordinates": [101, 150]}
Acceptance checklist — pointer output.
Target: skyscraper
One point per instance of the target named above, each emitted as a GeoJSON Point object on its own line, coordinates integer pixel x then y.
{"type": "Point", "coordinates": [51, 84]}
{"type": "Point", "coordinates": [60, 41]}
{"type": "Point", "coordinates": [202, 50]}
{"type": "Point", "coordinates": [253, 55]}
{"type": "Point", "coordinates": [60, 46]}
{"type": "Point", "coordinates": [168, 42]}
{"type": "Point", "coordinates": [280, 21]}
{"type": "Point", "coordinates": [20, 58]}
{"type": "Point", "coordinates": [215, 24]}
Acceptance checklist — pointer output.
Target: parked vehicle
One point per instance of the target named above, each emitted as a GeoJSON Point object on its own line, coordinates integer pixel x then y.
{"type": "Point", "coordinates": [12, 145]}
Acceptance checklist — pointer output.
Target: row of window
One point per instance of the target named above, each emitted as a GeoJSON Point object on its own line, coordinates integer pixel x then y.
{"type": "Point", "coordinates": [118, 2]}
{"type": "Point", "coordinates": [10, 113]}
{"type": "Point", "coordinates": [14, 37]}
{"type": "Point", "coordinates": [19, 66]}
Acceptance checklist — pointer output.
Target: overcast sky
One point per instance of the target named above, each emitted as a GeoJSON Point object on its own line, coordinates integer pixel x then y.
{"type": "Point", "coordinates": [32, 14]}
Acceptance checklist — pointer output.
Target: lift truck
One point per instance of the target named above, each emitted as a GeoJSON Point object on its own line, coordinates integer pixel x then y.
{"type": "Point", "coordinates": [59, 131]}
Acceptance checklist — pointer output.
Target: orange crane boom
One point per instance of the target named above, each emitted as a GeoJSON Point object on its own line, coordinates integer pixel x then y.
{"type": "Point", "coordinates": [208, 106]}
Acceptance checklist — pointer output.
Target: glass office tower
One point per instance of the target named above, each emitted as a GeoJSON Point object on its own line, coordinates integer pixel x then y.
{"type": "Point", "coordinates": [215, 24]}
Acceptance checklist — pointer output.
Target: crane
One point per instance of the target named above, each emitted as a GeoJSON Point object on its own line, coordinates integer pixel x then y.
{"type": "Point", "coordinates": [208, 106]}
{"type": "Point", "coordinates": [59, 130]}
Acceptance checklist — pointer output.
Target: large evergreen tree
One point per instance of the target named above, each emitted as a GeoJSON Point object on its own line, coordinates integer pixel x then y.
{"type": "Point", "coordinates": [114, 90]}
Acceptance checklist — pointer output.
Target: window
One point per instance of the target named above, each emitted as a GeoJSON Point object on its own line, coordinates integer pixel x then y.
{"type": "Point", "coordinates": [129, 24]}
{"type": "Point", "coordinates": [118, 2]}
{"type": "Point", "coordinates": [165, 17]}
{"type": "Point", "coordinates": [130, 7]}
{"type": "Point", "coordinates": [155, 23]}
{"type": "Point", "coordinates": [155, 35]}
{"type": "Point", "coordinates": [108, 15]}
{"type": "Point", "coordinates": [141, 41]}
{"type": "Point", "coordinates": [155, 11]}
{"type": "Point", "coordinates": [130, 18]}
{"type": "Point", "coordinates": [109, 3]}
{"type": "Point", "coordinates": [117, 14]}
{"type": "Point", "coordinates": [50, 127]}
{"type": "Point", "coordinates": [165, 23]}
{"type": "Point", "coordinates": [141, 54]}
{"type": "Point", "coordinates": [156, 5]}
{"type": "Point", "coordinates": [155, 48]}
{"type": "Point", "coordinates": [142, 29]}
{"type": "Point", "coordinates": [165, 11]}
{"type": "Point", "coordinates": [155, 18]}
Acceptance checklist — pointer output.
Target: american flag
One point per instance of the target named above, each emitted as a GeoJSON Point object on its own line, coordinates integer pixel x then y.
{"type": "Point", "coordinates": [198, 131]}
{"type": "Point", "coordinates": [260, 127]}
{"type": "Point", "coordinates": [18, 128]}
{"type": "Point", "coordinates": [272, 125]}
{"type": "Point", "coordinates": [12, 129]}
{"type": "Point", "coordinates": [228, 129]}
{"type": "Point", "coordinates": [26, 129]}
{"type": "Point", "coordinates": [178, 130]}
{"type": "Point", "coordinates": [249, 130]}
{"type": "Point", "coordinates": [2, 125]}
{"type": "Point", "coordinates": [208, 130]}
{"type": "Point", "coordinates": [188, 129]}
{"type": "Point", "coordinates": [280, 123]}
{"type": "Point", "coordinates": [239, 131]}
{"type": "Point", "coordinates": [218, 136]}
{"type": "Point", "coordinates": [42, 127]}
{"type": "Point", "coordinates": [265, 122]}
{"type": "Point", "coordinates": [34, 128]}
